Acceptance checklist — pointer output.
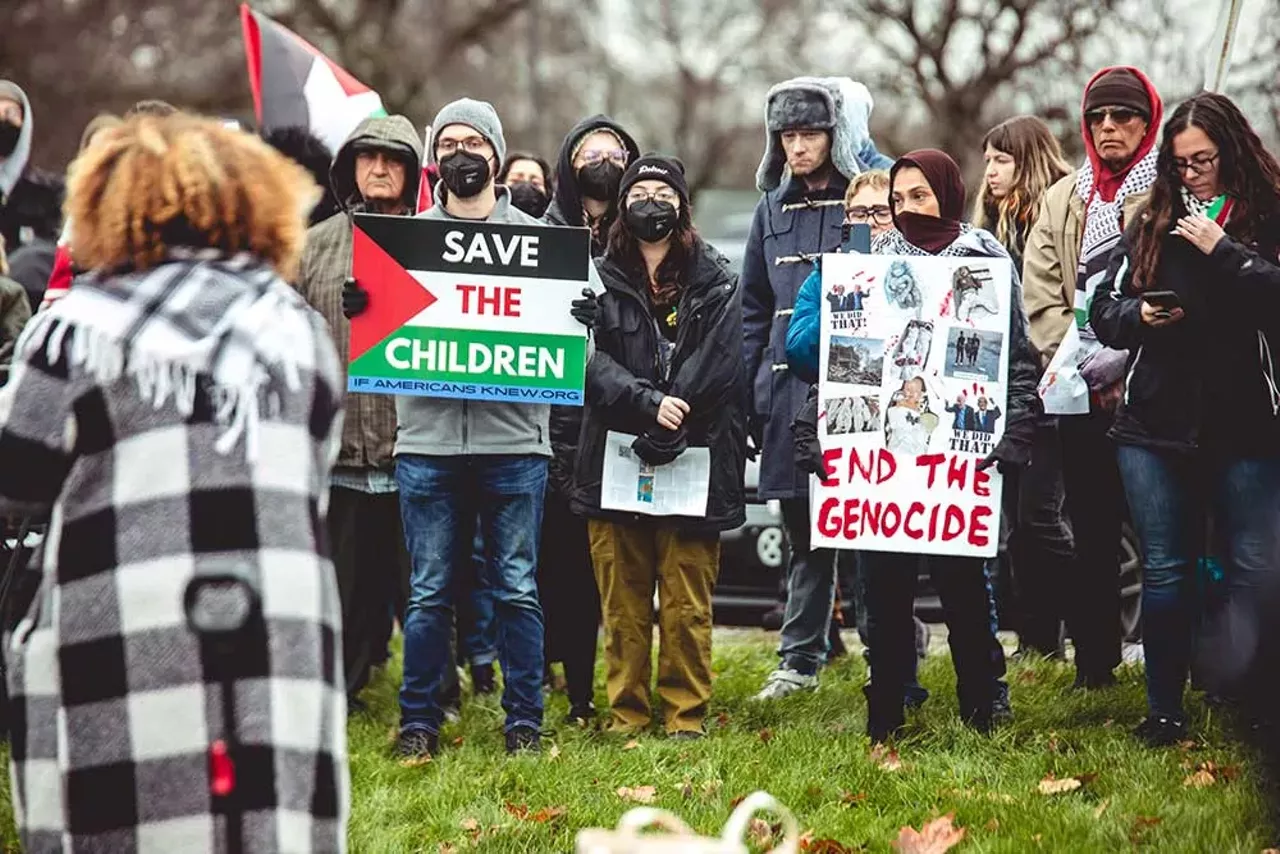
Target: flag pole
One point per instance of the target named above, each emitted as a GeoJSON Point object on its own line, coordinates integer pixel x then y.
{"type": "Point", "coordinates": [1219, 57]}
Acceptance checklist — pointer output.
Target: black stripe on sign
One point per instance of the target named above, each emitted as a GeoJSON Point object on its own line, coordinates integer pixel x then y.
{"type": "Point", "coordinates": [483, 248]}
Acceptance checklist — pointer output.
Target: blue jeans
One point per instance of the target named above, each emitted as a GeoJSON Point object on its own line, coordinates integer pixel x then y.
{"type": "Point", "coordinates": [477, 629]}
{"type": "Point", "coordinates": [1170, 496]}
{"type": "Point", "coordinates": [440, 500]}
{"type": "Point", "coordinates": [811, 594]}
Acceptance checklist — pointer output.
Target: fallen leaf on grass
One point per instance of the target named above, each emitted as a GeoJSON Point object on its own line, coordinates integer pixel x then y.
{"type": "Point", "coordinates": [722, 719]}
{"type": "Point", "coordinates": [885, 758]}
{"type": "Point", "coordinates": [457, 742]}
{"type": "Point", "coordinates": [1271, 851]}
{"type": "Point", "coordinates": [733, 804]}
{"type": "Point", "coordinates": [766, 735]}
{"type": "Point", "coordinates": [1186, 745]}
{"type": "Point", "coordinates": [992, 826]}
{"type": "Point", "coordinates": [1053, 786]}
{"type": "Point", "coordinates": [415, 761]}
{"type": "Point", "coordinates": [447, 848]}
{"type": "Point", "coordinates": [759, 833]}
{"type": "Point", "coordinates": [1101, 808]}
{"type": "Point", "coordinates": [686, 790]}
{"type": "Point", "coordinates": [520, 811]}
{"type": "Point", "coordinates": [809, 845]}
{"type": "Point", "coordinates": [1141, 825]}
{"type": "Point", "coordinates": [1027, 677]}
{"type": "Point", "coordinates": [850, 798]}
{"type": "Point", "coordinates": [547, 814]}
{"type": "Point", "coordinates": [631, 745]}
{"type": "Point", "coordinates": [554, 752]}
{"type": "Point", "coordinates": [638, 794]}
{"type": "Point", "coordinates": [935, 837]}
{"type": "Point", "coordinates": [470, 825]}
{"type": "Point", "coordinates": [1200, 779]}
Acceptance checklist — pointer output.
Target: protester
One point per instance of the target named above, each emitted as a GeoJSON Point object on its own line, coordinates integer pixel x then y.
{"type": "Point", "coordinates": [817, 139]}
{"type": "Point", "coordinates": [375, 170]}
{"type": "Point", "coordinates": [593, 158]}
{"type": "Point", "coordinates": [1023, 160]}
{"type": "Point", "coordinates": [176, 412]}
{"type": "Point", "coordinates": [1080, 222]}
{"type": "Point", "coordinates": [528, 178]}
{"type": "Point", "coordinates": [1197, 428]}
{"type": "Point", "coordinates": [30, 198]}
{"type": "Point", "coordinates": [866, 201]}
{"type": "Point", "coordinates": [15, 311]}
{"type": "Point", "coordinates": [457, 460]}
{"type": "Point", "coordinates": [566, 580]}
{"type": "Point", "coordinates": [307, 150]}
{"type": "Point", "coordinates": [927, 195]}
{"type": "Point", "coordinates": [666, 371]}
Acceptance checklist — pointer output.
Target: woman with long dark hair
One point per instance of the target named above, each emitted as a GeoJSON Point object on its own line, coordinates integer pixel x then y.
{"type": "Point", "coordinates": [1193, 293]}
{"type": "Point", "coordinates": [1023, 159]}
{"type": "Point", "coordinates": [667, 373]}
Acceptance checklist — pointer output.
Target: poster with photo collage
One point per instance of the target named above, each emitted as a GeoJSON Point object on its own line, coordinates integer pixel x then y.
{"type": "Point", "coordinates": [914, 362]}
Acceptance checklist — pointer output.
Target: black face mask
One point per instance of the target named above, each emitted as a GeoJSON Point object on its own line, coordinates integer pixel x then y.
{"type": "Point", "coordinates": [600, 180]}
{"type": "Point", "coordinates": [464, 173]}
{"type": "Point", "coordinates": [528, 198]}
{"type": "Point", "coordinates": [651, 220]}
{"type": "Point", "coordinates": [9, 134]}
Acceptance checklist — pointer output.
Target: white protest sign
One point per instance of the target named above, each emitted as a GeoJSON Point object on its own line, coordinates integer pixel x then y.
{"type": "Point", "coordinates": [914, 364]}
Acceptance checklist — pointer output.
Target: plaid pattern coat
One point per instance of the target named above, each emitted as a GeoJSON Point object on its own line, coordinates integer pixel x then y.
{"type": "Point", "coordinates": [176, 421]}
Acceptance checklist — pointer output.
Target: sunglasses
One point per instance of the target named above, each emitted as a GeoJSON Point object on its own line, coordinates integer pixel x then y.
{"type": "Point", "coordinates": [1119, 115]}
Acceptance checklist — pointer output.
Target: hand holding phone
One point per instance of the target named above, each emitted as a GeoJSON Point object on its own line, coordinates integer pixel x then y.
{"type": "Point", "coordinates": [1160, 308]}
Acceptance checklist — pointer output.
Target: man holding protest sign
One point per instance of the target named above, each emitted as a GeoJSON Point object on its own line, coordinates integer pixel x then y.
{"type": "Point", "coordinates": [474, 387]}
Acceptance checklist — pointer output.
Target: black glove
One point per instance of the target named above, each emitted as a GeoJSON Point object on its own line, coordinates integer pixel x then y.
{"type": "Point", "coordinates": [1013, 451]}
{"type": "Point", "coordinates": [660, 446]}
{"type": "Point", "coordinates": [808, 450]}
{"type": "Point", "coordinates": [355, 299]}
{"type": "Point", "coordinates": [587, 309]}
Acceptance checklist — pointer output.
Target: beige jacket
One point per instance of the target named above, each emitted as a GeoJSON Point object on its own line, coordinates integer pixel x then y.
{"type": "Point", "coordinates": [1050, 260]}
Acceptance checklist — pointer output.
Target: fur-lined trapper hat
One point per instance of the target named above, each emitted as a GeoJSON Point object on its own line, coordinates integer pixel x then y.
{"type": "Point", "coordinates": [836, 104]}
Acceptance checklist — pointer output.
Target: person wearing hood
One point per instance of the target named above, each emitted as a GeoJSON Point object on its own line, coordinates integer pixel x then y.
{"type": "Point", "coordinates": [462, 460]}
{"type": "Point", "coordinates": [666, 371]}
{"type": "Point", "coordinates": [132, 420]}
{"type": "Point", "coordinates": [30, 198]}
{"type": "Point", "coordinates": [816, 140]}
{"type": "Point", "coordinates": [927, 197]}
{"type": "Point", "coordinates": [593, 157]}
{"type": "Point", "coordinates": [1192, 291]}
{"type": "Point", "coordinates": [1081, 219]}
{"type": "Point", "coordinates": [528, 178]}
{"type": "Point", "coordinates": [375, 170]}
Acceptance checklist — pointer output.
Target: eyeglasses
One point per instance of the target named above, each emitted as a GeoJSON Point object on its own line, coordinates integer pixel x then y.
{"type": "Point", "coordinates": [1198, 165]}
{"type": "Point", "coordinates": [473, 144]}
{"type": "Point", "coordinates": [636, 196]}
{"type": "Point", "coordinates": [879, 213]}
{"type": "Point", "coordinates": [617, 155]}
{"type": "Point", "coordinates": [1119, 115]}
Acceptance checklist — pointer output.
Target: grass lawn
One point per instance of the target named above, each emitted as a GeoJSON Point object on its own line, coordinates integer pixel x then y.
{"type": "Point", "coordinates": [810, 752]}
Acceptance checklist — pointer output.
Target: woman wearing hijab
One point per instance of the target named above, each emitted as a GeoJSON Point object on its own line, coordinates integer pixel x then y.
{"type": "Point", "coordinates": [927, 197]}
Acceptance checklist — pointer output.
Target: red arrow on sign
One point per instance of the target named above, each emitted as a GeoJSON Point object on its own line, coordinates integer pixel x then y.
{"type": "Point", "coordinates": [395, 297]}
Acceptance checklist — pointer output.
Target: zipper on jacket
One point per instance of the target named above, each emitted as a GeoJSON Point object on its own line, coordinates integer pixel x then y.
{"type": "Point", "coordinates": [1128, 380]}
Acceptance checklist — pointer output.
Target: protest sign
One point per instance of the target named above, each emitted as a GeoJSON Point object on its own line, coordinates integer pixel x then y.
{"type": "Point", "coordinates": [472, 310]}
{"type": "Point", "coordinates": [914, 364]}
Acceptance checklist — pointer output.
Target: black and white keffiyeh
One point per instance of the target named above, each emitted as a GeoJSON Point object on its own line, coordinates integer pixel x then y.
{"type": "Point", "coordinates": [1102, 219]}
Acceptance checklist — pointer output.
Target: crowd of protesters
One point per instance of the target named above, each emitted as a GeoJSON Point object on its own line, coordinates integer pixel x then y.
{"type": "Point", "coordinates": [174, 335]}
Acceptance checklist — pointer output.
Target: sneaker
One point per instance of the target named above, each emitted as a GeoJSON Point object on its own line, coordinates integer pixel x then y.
{"type": "Point", "coordinates": [1001, 711]}
{"type": "Point", "coordinates": [452, 714]}
{"type": "Point", "coordinates": [581, 715]}
{"type": "Point", "coordinates": [482, 681]}
{"type": "Point", "coordinates": [416, 744]}
{"type": "Point", "coordinates": [783, 682]}
{"type": "Point", "coordinates": [1161, 731]}
{"type": "Point", "coordinates": [1093, 681]}
{"type": "Point", "coordinates": [522, 739]}
{"type": "Point", "coordinates": [687, 735]}
{"type": "Point", "coordinates": [922, 638]}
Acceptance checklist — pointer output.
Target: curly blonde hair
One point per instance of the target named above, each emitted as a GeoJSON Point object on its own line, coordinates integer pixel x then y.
{"type": "Point", "coordinates": [156, 183]}
{"type": "Point", "coordinates": [876, 178]}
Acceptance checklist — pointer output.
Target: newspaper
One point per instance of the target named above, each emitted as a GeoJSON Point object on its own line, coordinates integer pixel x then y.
{"type": "Point", "coordinates": [1063, 387]}
{"type": "Point", "coordinates": [632, 485]}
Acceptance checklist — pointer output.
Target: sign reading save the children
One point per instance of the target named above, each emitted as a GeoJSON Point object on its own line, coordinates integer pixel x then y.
{"type": "Point", "coordinates": [472, 310]}
{"type": "Point", "coordinates": [911, 395]}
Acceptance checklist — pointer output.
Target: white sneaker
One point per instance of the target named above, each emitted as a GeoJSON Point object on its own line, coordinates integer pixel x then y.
{"type": "Point", "coordinates": [784, 682]}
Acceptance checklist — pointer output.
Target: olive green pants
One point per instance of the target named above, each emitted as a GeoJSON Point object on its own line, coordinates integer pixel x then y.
{"type": "Point", "coordinates": [630, 560]}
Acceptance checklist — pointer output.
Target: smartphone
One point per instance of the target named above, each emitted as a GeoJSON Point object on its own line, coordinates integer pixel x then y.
{"type": "Point", "coordinates": [1163, 300]}
{"type": "Point", "coordinates": [856, 237]}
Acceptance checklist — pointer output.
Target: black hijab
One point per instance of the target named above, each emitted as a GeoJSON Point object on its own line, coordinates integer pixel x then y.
{"type": "Point", "coordinates": [932, 233]}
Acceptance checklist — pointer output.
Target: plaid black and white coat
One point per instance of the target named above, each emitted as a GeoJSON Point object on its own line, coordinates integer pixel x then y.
{"type": "Point", "coordinates": [175, 421]}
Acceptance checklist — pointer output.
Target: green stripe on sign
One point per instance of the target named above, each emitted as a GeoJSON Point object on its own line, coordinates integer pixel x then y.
{"type": "Point", "coordinates": [508, 358]}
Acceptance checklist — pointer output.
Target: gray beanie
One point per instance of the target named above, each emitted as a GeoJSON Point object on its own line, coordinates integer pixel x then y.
{"type": "Point", "coordinates": [479, 115]}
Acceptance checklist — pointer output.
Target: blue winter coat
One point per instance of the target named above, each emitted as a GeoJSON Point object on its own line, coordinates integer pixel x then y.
{"type": "Point", "coordinates": [805, 332]}
{"type": "Point", "coordinates": [791, 228]}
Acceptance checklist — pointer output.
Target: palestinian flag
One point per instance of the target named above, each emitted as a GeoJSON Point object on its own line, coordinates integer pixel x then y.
{"type": "Point", "coordinates": [294, 84]}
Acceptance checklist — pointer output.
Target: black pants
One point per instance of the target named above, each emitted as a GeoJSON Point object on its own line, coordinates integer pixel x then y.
{"type": "Point", "coordinates": [1041, 551]}
{"type": "Point", "coordinates": [372, 567]}
{"type": "Point", "coordinates": [570, 598]}
{"type": "Point", "coordinates": [1095, 505]}
{"type": "Point", "coordinates": [966, 606]}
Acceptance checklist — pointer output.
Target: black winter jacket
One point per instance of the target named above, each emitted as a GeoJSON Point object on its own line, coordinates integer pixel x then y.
{"type": "Point", "coordinates": [625, 385]}
{"type": "Point", "coordinates": [1208, 381]}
